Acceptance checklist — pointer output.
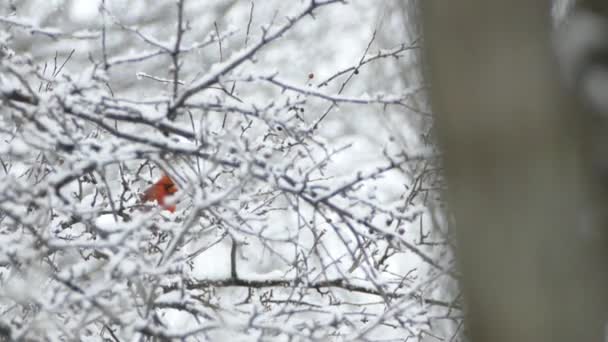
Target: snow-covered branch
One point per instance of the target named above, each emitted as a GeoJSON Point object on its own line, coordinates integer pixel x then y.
{"type": "Point", "coordinates": [172, 172]}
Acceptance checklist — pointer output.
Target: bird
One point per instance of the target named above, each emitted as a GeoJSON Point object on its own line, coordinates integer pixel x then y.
{"type": "Point", "coordinates": [158, 191]}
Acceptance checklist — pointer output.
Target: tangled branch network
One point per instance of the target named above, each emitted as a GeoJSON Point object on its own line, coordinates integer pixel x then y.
{"type": "Point", "coordinates": [209, 171]}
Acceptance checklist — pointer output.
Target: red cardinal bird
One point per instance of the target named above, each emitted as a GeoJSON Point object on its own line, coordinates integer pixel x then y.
{"type": "Point", "coordinates": [158, 191]}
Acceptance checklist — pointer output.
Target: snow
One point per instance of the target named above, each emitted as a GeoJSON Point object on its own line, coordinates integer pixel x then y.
{"type": "Point", "coordinates": [84, 11]}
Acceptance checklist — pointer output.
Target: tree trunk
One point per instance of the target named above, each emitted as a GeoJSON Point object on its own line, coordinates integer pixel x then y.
{"type": "Point", "coordinates": [530, 250]}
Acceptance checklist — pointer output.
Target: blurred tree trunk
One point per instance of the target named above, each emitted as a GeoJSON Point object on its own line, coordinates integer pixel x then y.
{"type": "Point", "coordinates": [597, 6]}
{"type": "Point", "coordinates": [531, 253]}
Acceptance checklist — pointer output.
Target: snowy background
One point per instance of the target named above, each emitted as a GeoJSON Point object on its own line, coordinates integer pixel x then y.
{"type": "Point", "coordinates": [298, 134]}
